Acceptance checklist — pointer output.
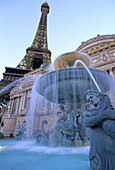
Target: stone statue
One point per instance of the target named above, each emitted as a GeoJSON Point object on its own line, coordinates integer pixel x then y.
{"type": "Point", "coordinates": [67, 122]}
{"type": "Point", "coordinates": [63, 114]}
{"type": "Point", "coordinates": [64, 133]}
{"type": "Point", "coordinates": [69, 130]}
{"type": "Point", "coordinates": [82, 130]}
{"type": "Point", "coordinates": [21, 131]}
{"type": "Point", "coordinates": [42, 138]}
{"type": "Point", "coordinates": [100, 117]}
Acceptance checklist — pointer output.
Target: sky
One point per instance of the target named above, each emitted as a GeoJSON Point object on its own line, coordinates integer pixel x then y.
{"type": "Point", "coordinates": [69, 23]}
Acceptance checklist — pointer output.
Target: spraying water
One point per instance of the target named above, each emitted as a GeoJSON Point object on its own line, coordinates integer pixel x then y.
{"type": "Point", "coordinates": [86, 55]}
{"type": "Point", "coordinates": [89, 72]}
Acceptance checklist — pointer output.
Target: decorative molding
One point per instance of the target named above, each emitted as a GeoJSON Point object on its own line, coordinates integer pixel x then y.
{"type": "Point", "coordinates": [29, 81]}
{"type": "Point", "coordinates": [104, 57]}
{"type": "Point", "coordinates": [26, 82]}
{"type": "Point", "coordinates": [98, 38]}
{"type": "Point", "coordinates": [15, 90]}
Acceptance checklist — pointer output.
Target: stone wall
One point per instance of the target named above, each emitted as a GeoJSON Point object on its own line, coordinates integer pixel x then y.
{"type": "Point", "coordinates": [9, 126]}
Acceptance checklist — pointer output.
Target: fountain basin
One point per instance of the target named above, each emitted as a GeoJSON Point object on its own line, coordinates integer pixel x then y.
{"type": "Point", "coordinates": [21, 155]}
{"type": "Point", "coordinates": [71, 83]}
{"type": "Point", "coordinates": [68, 60]}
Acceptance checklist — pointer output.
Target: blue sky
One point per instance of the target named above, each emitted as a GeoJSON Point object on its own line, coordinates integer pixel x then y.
{"type": "Point", "coordinates": [69, 23]}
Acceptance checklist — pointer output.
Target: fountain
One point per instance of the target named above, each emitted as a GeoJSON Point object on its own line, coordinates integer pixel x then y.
{"type": "Point", "coordinates": [65, 104]}
{"type": "Point", "coordinates": [66, 87]}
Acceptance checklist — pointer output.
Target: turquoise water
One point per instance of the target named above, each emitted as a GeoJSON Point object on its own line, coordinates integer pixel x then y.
{"type": "Point", "coordinates": [27, 155]}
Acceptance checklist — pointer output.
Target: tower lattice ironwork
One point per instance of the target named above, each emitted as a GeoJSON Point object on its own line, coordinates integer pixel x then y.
{"type": "Point", "coordinates": [38, 54]}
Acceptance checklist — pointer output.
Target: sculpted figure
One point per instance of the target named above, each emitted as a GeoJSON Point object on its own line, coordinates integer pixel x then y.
{"type": "Point", "coordinates": [63, 134]}
{"type": "Point", "coordinates": [41, 138]}
{"type": "Point", "coordinates": [82, 130]}
{"type": "Point", "coordinates": [101, 119]}
{"type": "Point", "coordinates": [21, 131]}
{"type": "Point", "coordinates": [67, 122]}
{"type": "Point", "coordinates": [63, 116]}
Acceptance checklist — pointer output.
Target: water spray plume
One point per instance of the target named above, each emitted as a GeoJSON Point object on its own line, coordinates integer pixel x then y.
{"type": "Point", "coordinates": [91, 75]}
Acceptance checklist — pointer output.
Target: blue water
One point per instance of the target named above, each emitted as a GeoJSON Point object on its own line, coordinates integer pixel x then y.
{"type": "Point", "coordinates": [27, 155]}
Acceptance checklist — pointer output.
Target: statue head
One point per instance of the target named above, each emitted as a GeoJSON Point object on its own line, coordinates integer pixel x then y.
{"type": "Point", "coordinates": [93, 97]}
{"type": "Point", "coordinates": [68, 107]}
{"type": "Point", "coordinates": [24, 123]}
{"type": "Point", "coordinates": [98, 99]}
{"type": "Point", "coordinates": [61, 107]}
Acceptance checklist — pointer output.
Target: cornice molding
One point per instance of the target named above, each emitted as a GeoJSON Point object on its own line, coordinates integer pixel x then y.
{"type": "Point", "coordinates": [96, 39]}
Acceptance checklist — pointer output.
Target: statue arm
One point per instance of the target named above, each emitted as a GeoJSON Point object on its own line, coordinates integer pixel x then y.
{"type": "Point", "coordinates": [90, 121]}
{"type": "Point", "coordinates": [75, 120]}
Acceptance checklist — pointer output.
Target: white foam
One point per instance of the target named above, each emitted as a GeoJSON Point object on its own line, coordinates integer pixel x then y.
{"type": "Point", "coordinates": [31, 146]}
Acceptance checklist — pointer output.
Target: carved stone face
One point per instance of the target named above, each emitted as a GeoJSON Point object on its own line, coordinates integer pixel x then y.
{"type": "Point", "coordinates": [68, 108]}
{"type": "Point", "coordinates": [61, 107]}
{"type": "Point", "coordinates": [39, 139]}
{"type": "Point", "coordinates": [93, 99]}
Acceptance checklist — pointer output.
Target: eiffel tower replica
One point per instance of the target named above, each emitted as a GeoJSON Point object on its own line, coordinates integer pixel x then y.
{"type": "Point", "coordinates": [38, 54]}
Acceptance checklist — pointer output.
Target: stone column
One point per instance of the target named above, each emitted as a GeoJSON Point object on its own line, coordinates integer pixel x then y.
{"type": "Point", "coordinates": [21, 103]}
{"type": "Point", "coordinates": [24, 98]}
{"type": "Point", "coordinates": [18, 103]}
{"type": "Point", "coordinates": [11, 106]}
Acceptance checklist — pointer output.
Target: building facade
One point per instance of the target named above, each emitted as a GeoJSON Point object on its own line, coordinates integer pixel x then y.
{"type": "Point", "coordinates": [101, 50]}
